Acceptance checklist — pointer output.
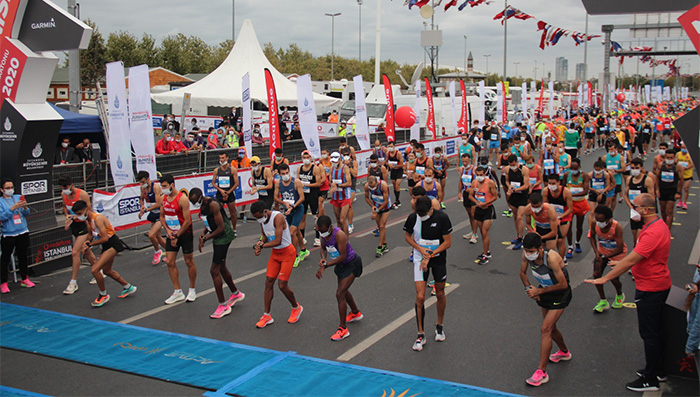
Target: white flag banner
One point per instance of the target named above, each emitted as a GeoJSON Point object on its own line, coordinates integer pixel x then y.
{"type": "Point", "coordinates": [499, 101]}
{"type": "Point", "coordinates": [307, 115]}
{"type": "Point", "coordinates": [580, 95]}
{"type": "Point", "coordinates": [119, 135]}
{"type": "Point", "coordinates": [247, 115]}
{"type": "Point", "coordinates": [667, 93]}
{"type": "Point", "coordinates": [550, 86]}
{"type": "Point", "coordinates": [533, 101]}
{"type": "Point", "coordinates": [482, 109]}
{"type": "Point", "coordinates": [141, 123]}
{"type": "Point", "coordinates": [361, 123]}
{"type": "Point", "coordinates": [415, 128]}
{"type": "Point", "coordinates": [523, 105]}
{"type": "Point", "coordinates": [454, 107]}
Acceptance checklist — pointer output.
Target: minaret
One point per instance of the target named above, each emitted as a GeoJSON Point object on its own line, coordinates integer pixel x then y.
{"type": "Point", "coordinates": [470, 63]}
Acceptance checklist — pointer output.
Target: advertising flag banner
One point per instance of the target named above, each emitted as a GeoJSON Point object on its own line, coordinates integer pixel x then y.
{"type": "Point", "coordinates": [361, 122]}
{"type": "Point", "coordinates": [141, 123]}
{"type": "Point", "coordinates": [540, 103]}
{"type": "Point", "coordinates": [453, 92]}
{"type": "Point", "coordinates": [504, 110]}
{"type": "Point", "coordinates": [589, 97]}
{"type": "Point", "coordinates": [119, 135]}
{"type": "Point", "coordinates": [272, 106]}
{"type": "Point", "coordinates": [533, 91]}
{"type": "Point", "coordinates": [307, 116]}
{"type": "Point", "coordinates": [390, 126]}
{"type": "Point", "coordinates": [415, 128]}
{"type": "Point", "coordinates": [464, 116]}
{"type": "Point", "coordinates": [186, 100]}
{"type": "Point", "coordinates": [580, 95]}
{"type": "Point", "coordinates": [524, 99]}
{"type": "Point", "coordinates": [247, 115]}
{"type": "Point", "coordinates": [499, 101]}
{"type": "Point", "coordinates": [482, 109]}
{"type": "Point", "coordinates": [550, 87]}
{"type": "Point", "coordinates": [430, 123]}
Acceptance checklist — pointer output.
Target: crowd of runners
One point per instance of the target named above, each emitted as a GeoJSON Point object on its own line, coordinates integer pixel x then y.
{"type": "Point", "coordinates": [552, 200]}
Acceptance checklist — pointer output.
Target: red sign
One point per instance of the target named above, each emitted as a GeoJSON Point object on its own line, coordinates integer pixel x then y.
{"type": "Point", "coordinates": [12, 62]}
{"type": "Point", "coordinates": [463, 122]}
{"type": "Point", "coordinates": [272, 108]}
{"type": "Point", "coordinates": [691, 24]}
{"type": "Point", "coordinates": [504, 108]}
{"type": "Point", "coordinates": [430, 124]}
{"type": "Point", "coordinates": [590, 94]}
{"type": "Point", "coordinates": [389, 129]}
{"type": "Point", "coordinates": [8, 12]}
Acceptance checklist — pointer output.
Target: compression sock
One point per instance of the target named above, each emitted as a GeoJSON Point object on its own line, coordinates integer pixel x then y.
{"type": "Point", "coordinates": [302, 232]}
{"type": "Point", "coordinates": [397, 193]}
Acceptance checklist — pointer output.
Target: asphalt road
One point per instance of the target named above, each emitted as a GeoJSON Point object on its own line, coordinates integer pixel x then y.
{"type": "Point", "coordinates": [492, 328]}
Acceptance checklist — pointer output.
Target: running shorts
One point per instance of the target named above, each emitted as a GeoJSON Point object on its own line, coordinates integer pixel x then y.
{"type": "Point", "coordinates": [542, 232]}
{"type": "Point", "coordinates": [220, 253]}
{"type": "Point", "coordinates": [668, 194]}
{"type": "Point", "coordinates": [294, 217]}
{"type": "Point", "coordinates": [466, 202]}
{"type": "Point", "coordinates": [581, 208]}
{"type": "Point", "coordinates": [396, 174]}
{"type": "Point", "coordinates": [555, 300]}
{"type": "Point", "coordinates": [346, 269]}
{"type": "Point", "coordinates": [231, 198]}
{"type": "Point", "coordinates": [113, 242]}
{"type": "Point", "coordinates": [311, 201]}
{"type": "Point", "coordinates": [341, 203]}
{"type": "Point", "coordinates": [439, 272]}
{"type": "Point", "coordinates": [484, 214]}
{"type": "Point", "coordinates": [186, 242]}
{"type": "Point", "coordinates": [281, 262]}
{"type": "Point", "coordinates": [78, 228]}
{"type": "Point", "coordinates": [153, 217]}
{"type": "Point", "coordinates": [518, 200]}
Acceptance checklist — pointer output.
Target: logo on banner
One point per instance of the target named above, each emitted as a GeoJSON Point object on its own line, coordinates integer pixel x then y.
{"type": "Point", "coordinates": [35, 187]}
{"type": "Point", "coordinates": [37, 151]}
{"type": "Point", "coordinates": [119, 162]}
{"type": "Point", "coordinates": [44, 25]}
{"type": "Point", "coordinates": [129, 205]}
{"type": "Point", "coordinates": [450, 147]}
{"type": "Point", "coordinates": [116, 102]}
{"type": "Point", "coordinates": [7, 135]}
{"type": "Point", "coordinates": [306, 102]}
{"type": "Point", "coordinates": [54, 250]}
{"type": "Point", "coordinates": [246, 95]}
{"type": "Point", "coordinates": [8, 124]}
{"type": "Point", "coordinates": [208, 188]}
{"type": "Point", "coordinates": [100, 207]}
{"type": "Point", "coordinates": [311, 143]}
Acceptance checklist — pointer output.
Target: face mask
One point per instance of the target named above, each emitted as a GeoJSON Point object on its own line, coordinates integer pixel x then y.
{"type": "Point", "coordinates": [438, 155]}
{"type": "Point", "coordinates": [177, 140]}
{"type": "Point", "coordinates": [190, 140]}
{"type": "Point", "coordinates": [530, 165]}
{"type": "Point", "coordinates": [536, 210]}
{"type": "Point", "coordinates": [346, 158]}
{"type": "Point", "coordinates": [575, 172]}
{"type": "Point", "coordinates": [324, 156]}
{"type": "Point", "coordinates": [670, 162]}
{"type": "Point", "coordinates": [325, 234]}
{"type": "Point", "coordinates": [168, 139]}
{"type": "Point", "coordinates": [411, 160]}
{"type": "Point", "coordinates": [66, 192]}
{"type": "Point", "coordinates": [170, 127]}
{"type": "Point", "coordinates": [286, 177]}
{"type": "Point", "coordinates": [391, 149]}
{"type": "Point", "coordinates": [602, 225]}
{"type": "Point", "coordinates": [145, 186]}
{"type": "Point", "coordinates": [548, 146]}
{"type": "Point", "coordinates": [167, 191]}
{"type": "Point", "coordinates": [464, 142]}
{"type": "Point", "coordinates": [522, 138]}
{"type": "Point", "coordinates": [429, 179]}
{"type": "Point", "coordinates": [261, 220]}
{"type": "Point", "coordinates": [514, 167]}
{"type": "Point", "coordinates": [553, 187]}
{"type": "Point", "coordinates": [373, 165]}
{"type": "Point", "coordinates": [256, 167]}
{"type": "Point", "coordinates": [635, 172]}
{"type": "Point", "coordinates": [419, 155]}
{"type": "Point", "coordinates": [480, 178]}
{"type": "Point", "coordinates": [65, 145]}
{"type": "Point", "coordinates": [378, 147]}
{"type": "Point", "coordinates": [307, 161]}
{"type": "Point", "coordinates": [662, 151]}
{"type": "Point", "coordinates": [634, 215]}
{"type": "Point", "coordinates": [684, 151]}
{"type": "Point", "coordinates": [561, 150]}
{"type": "Point", "coordinates": [424, 218]}
{"type": "Point", "coordinates": [9, 192]}
{"type": "Point", "coordinates": [199, 134]}
{"type": "Point", "coordinates": [81, 217]}
{"type": "Point", "coordinates": [532, 256]}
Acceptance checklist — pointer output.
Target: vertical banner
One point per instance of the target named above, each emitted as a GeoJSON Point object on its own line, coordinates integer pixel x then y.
{"type": "Point", "coordinates": [453, 102]}
{"type": "Point", "coordinates": [119, 135]}
{"type": "Point", "coordinates": [523, 104]}
{"type": "Point", "coordinates": [482, 109]}
{"type": "Point", "coordinates": [247, 116]}
{"type": "Point", "coordinates": [140, 115]}
{"type": "Point", "coordinates": [589, 97]}
{"type": "Point", "coordinates": [272, 107]}
{"type": "Point", "coordinates": [415, 128]}
{"type": "Point", "coordinates": [580, 95]}
{"type": "Point", "coordinates": [390, 126]}
{"type": "Point", "coordinates": [540, 103]}
{"type": "Point", "coordinates": [430, 123]}
{"type": "Point", "coordinates": [533, 91]}
{"type": "Point", "coordinates": [499, 101]}
{"type": "Point", "coordinates": [306, 110]}
{"type": "Point", "coordinates": [361, 123]}
{"type": "Point", "coordinates": [464, 116]}
{"type": "Point", "coordinates": [504, 111]}
{"type": "Point", "coordinates": [550, 87]}
{"type": "Point", "coordinates": [186, 99]}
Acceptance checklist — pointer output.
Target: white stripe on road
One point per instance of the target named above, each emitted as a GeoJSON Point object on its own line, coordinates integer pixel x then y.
{"type": "Point", "coordinates": [391, 327]}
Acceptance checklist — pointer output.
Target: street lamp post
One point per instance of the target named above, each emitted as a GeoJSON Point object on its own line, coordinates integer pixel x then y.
{"type": "Point", "coordinates": [516, 68]}
{"type": "Point", "coordinates": [333, 40]}
{"type": "Point", "coordinates": [487, 64]}
{"type": "Point", "coordinates": [359, 31]}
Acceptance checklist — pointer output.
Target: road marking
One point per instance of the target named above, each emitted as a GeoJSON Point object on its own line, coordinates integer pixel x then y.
{"type": "Point", "coordinates": [391, 327]}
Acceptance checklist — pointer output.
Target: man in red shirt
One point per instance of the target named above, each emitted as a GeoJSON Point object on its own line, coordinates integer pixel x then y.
{"type": "Point", "coordinates": [176, 145]}
{"type": "Point", "coordinates": [649, 264]}
{"type": "Point", "coordinates": [163, 145]}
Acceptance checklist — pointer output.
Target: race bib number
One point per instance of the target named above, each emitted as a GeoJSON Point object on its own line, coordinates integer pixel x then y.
{"type": "Point", "coordinates": [467, 180]}
{"type": "Point", "coordinates": [608, 244]}
{"type": "Point", "coordinates": [612, 167]}
{"type": "Point", "coordinates": [494, 137]}
{"type": "Point", "coordinates": [429, 244]}
{"type": "Point", "coordinates": [634, 193]}
{"type": "Point", "coordinates": [515, 185]}
{"type": "Point", "coordinates": [224, 182]}
{"type": "Point", "coordinates": [667, 176]}
{"type": "Point", "coordinates": [173, 222]}
{"type": "Point", "coordinates": [480, 197]}
{"type": "Point", "coordinates": [332, 252]}
{"type": "Point", "coordinates": [598, 185]}
{"type": "Point", "coordinates": [683, 164]}
{"type": "Point", "coordinates": [558, 208]}
{"type": "Point", "coordinates": [420, 171]}
{"type": "Point", "coordinates": [548, 164]}
{"type": "Point", "coordinates": [393, 163]}
{"type": "Point", "coordinates": [533, 181]}
{"type": "Point", "coordinates": [337, 181]}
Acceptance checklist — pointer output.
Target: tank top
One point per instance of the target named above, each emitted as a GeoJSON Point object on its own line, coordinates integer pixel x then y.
{"type": "Point", "coordinates": [468, 148]}
{"type": "Point", "coordinates": [68, 202]}
{"type": "Point", "coordinates": [378, 197]}
{"type": "Point", "coordinates": [684, 161]}
{"type": "Point", "coordinates": [325, 186]}
{"type": "Point", "coordinates": [338, 177]}
{"type": "Point", "coordinates": [210, 224]}
{"type": "Point", "coordinates": [467, 177]}
{"type": "Point", "coordinates": [269, 231]}
{"type": "Point", "coordinates": [275, 167]}
{"type": "Point", "coordinates": [559, 203]}
{"type": "Point", "coordinates": [375, 172]}
{"type": "Point", "coordinates": [637, 188]}
{"type": "Point", "coordinates": [669, 177]}
{"type": "Point", "coordinates": [432, 193]}
{"type": "Point", "coordinates": [614, 163]}
{"type": "Point", "coordinates": [543, 273]}
{"type": "Point", "coordinates": [535, 179]}
{"type": "Point", "coordinates": [380, 153]}
{"type": "Point", "coordinates": [504, 160]}
{"type": "Point", "coordinates": [481, 191]}
{"type": "Point", "coordinates": [223, 177]}
{"type": "Point", "coordinates": [393, 159]}
{"type": "Point", "coordinates": [174, 217]}
{"type": "Point", "coordinates": [549, 166]}
{"type": "Point", "coordinates": [307, 177]}
{"type": "Point", "coordinates": [542, 217]}
{"type": "Point", "coordinates": [420, 167]}
{"type": "Point", "coordinates": [607, 243]}
{"type": "Point", "coordinates": [575, 187]}
{"type": "Point", "coordinates": [516, 178]}
{"type": "Point", "coordinates": [332, 247]}
{"type": "Point", "coordinates": [439, 164]}
{"type": "Point", "coordinates": [598, 183]}
{"type": "Point", "coordinates": [151, 199]}
{"type": "Point", "coordinates": [95, 230]}
{"type": "Point", "coordinates": [571, 139]}
{"type": "Point", "coordinates": [288, 193]}
{"type": "Point", "coordinates": [260, 181]}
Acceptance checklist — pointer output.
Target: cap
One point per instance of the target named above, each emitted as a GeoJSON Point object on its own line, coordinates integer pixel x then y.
{"type": "Point", "coordinates": [306, 152]}
{"type": "Point", "coordinates": [335, 157]}
{"type": "Point", "coordinates": [255, 159]}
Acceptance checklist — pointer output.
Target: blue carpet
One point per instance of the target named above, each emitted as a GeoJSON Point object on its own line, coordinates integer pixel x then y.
{"type": "Point", "coordinates": [206, 363]}
{"type": "Point", "coordinates": [12, 392]}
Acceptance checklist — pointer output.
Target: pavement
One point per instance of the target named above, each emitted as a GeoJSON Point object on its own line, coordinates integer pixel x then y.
{"type": "Point", "coordinates": [492, 328]}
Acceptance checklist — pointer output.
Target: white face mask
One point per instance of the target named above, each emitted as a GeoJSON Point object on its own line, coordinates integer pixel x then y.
{"type": "Point", "coordinates": [9, 192]}
{"type": "Point", "coordinates": [514, 167]}
{"type": "Point", "coordinates": [522, 138]}
{"type": "Point", "coordinates": [670, 162]}
{"type": "Point", "coordinates": [324, 156]}
{"type": "Point", "coordinates": [145, 186]}
{"type": "Point", "coordinates": [438, 155]}
{"type": "Point", "coordinates": [325, 234]}
{"type": "Point", "coordinates": [64, 145]}
{"type": "Point", "coordinates": [261, 220]}
{"type": "Point", "coordinates": [307, 161]}
{"type": "Point", "coordinates": [602, 225]}
{"type": "Point", "coordinates": [256, 167]}
{"type": "Point", "coordinates": [223, 162]}
{"type": "Point", "coordinates": [429, 179]}
{"type": "Point", "coordinates": [419, 155]}
{"type": "Point", "coordinates": [424, 218]}
{"type": "Point", "coordinates": [532, 256]}
{"type": "Point", "coordinates": [190, 140]}
{"type": "Point", "coordinates": [373, 165]}
{"type": "Point", "coordinates": [536, 210]}
{"type": "Point", "coordinates": [286, 177]}
{"type": "Point", "coordinates": [167, 138]}
{"type": "Point", "coordinates": [66, 192]}
{"type": "Point", "coordinates": [480, 178]}
{"type": "Point", "coordinates": [561, 150]}
{"type": "Point", "coordinates": [634, 172]}
{"type": "Point", "coordinates": [391, 149]}
{"type": "Point", "coordinates": [346, 158]}
{"type": "Point", "coordinates": [464, 142]}
{"type": "Point", "coordinates": [81, 217]}
{"type": "Point", "coordinates": [634, 215]}
{"type": "Point", "coordinates": [553, 187]}
{"type": "Point", "coordinates": [662, 151]}
{"type": "Point", "coordinates": [167, 191]}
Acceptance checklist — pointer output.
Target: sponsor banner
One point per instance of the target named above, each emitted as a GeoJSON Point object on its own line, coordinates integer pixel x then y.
{"type": "Point", "coordinates": [362, 131]}
{"type": "Point", "coordinates": [523, 105]}
{"type": "Point", "coordinates": [273, 110]}
{"type": "Point", "coordinates": [550, 87]}
{"type": "Point", "coordinates": [12, 63]}
{"type": "Point", "coordinates": [482, 109]}
{"type": "Point", "coordinates": [390, 123]}
{"type": "Point", "coordinates": [464, 115]}
{"type": "Point", "coordinates": [119, 143]}
{"type": "Point", "coordinates": [186, 99]}
{"type": "Point", "coordinates": [247, 127]}
{"type": "Point", "coordinates": [140, 120]}
{"type": "Point", "coordinates": [8, 14]}
{"type": "Point", "coordinates": [307, 115]}
{"type": "Point", "coordinates": [201, 122]}
{"type": "Point", "coordinates": [53, 250]}
{"type": "Point", "coordinates": [499, 101]}
{"type": "Point", "coordinates": [40, 186]}
{"type": "Point", "coordinates": [47, 27]}
{"type": "Point", "coordinates": [430, 123]}
{"type": "Point", "coordinates": [415, 128]}
{"type": "Point", "coordinates": [453, 104]}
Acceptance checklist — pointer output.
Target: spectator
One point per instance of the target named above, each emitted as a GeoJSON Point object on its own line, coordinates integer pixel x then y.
{"type": "Point", "coordinates": [342, 130]}
{"type": "Point", "coordinates": [176, 145]}
{"type": "Point", "coordinates": [257, 135]}
{"type": "Point", "coordinates": [232, 138]}
{"type": "Point", "coordinates": [333, 118]}
{"type": "Point", "coordinates": [285, 115]}
{"type": "Point", "coordinates": [170, 119]}
{"type": "Point", "coordinates": [296, 132]}
{"type": "Point", "coordinates": [191, 143]}
{"type": "Point", "coordinates": [163, 145]}
{"type": "Point", "coordinates": [84, 150]}
{"type": "Point", "coordinates": [286, 135]}
{"type": "Point", "coordinates": [193, 126]}
{"type": "Point", "coordinates": [15, 235]}
{"type": "Point", "coordinates": [241, 160]}
{"type": "Point", "coordinates": [65, 153]}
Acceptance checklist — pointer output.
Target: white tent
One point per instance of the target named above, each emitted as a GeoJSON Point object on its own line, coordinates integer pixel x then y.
{"type": "Point", "coordinates": [222, 87]}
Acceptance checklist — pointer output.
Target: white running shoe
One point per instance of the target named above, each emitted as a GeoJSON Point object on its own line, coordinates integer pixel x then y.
{"type": "Point", "coordinates": [473, 239]}
{"type": "Point", "coordinates": [317, 242]}
{"type": "Point", "coordinates": [70, 289]}
{"type": "Point", "coordinates": [351, 229]}
{"type": "Point", "coordinates": [191, 295]}
{"type": "Point", "coordinates": [467, 236]}
{"type": "Point", "coordinates": [175, 297]}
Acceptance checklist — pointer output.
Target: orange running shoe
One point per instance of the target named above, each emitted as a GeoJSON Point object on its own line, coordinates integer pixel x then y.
{"type": "Point", "coordinates": [340, 334]}
{"type": "Point", "coordinates": [352, 317]}
{"type": "Point", "coordinates": [100, 301]}
{"type": "Point", "coordinates": [296, 313]}
{"type": "Point", "coordinates": [264, 321]}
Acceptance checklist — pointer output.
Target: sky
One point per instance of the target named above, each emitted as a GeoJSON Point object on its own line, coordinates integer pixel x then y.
{"type": "Point", "coordinates": [283, 22]}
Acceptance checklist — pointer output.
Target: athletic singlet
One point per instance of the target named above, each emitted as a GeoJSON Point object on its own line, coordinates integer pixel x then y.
{"type": "Point", "coordinates": [669, 177]}
{"type": "Point", "coordinates": [467, 177]}
{"type": "Point", "coordinates": [375, 171]}
{"type": "Point", "coordinates": [421, 166]}
{"type": "Point", "coordinates": [559, 203]}
{"type": "Point", "coordinates": [378, 197]}
{"type": "Point", "coordinates": [439, 165]}
{"type": "Point", "coordinates": [393, 160]}
{"type": "Point", "coordinates": [548, 165]}
{"type": "Point", "coordinates": [637, 188]}
{"type": "Point", "coordinates": [468, 148]}
{"type": "Point", "coordinates": [575, 187]}
{"type": "Point", "coordinates": [519, 150]}
{"type": "Point", "coordinates": [68, 202]}
{"type": "Point", "coordinates": [432, 193]}
{"type": "Point", "coordinates": [269, 231]}
{"type": "Point", "coordinates": [174, 217]}
{"type": "Point", "coordinates": [223, 177]}
{"type": "Point", "coordinates": [598, 183]}
{"type": "Point", "coordinates": [607, 243]}
{"type": "Point", "coordinates": [481, 192]}
{"type": "Point", "coordinates": [684, 161]}
{"type": "Point", "coordinates": [410, 168]}
{"type": "Point", "coordinates": [260, 182]}
{"type": "Point", "coordinates": [325, 186]}
{"type": "Point", "coordinates": [95, 230]}
{"type": "Point", "coordinates": [614, 163]}
{"type": "Point", "coordinates": [338, 177]}
{"type": "Point", "coordinates": [332, 247]}
{"type": "Point", "coordinates": [209, 220]}
{"type": "Point", "coordinates": [275, 167]}
{"type": "Point", "coordinates": [288, 193]}
{"type": "Point", "coordinates": [380, 153]}
{"type": "Point", "coordinates": [542, 217]}
{"type": "Point", "coordinates": [307, 177]}
{"type": "Point", "coordinates": [535, 179]}
{"type": "Point", "coordinates": [151, 199]}
{"type": "Point", "coordinates": [543, 274]}
{"type": "Point", "coordinates": [516, 179]}
{"type": "Point", "coordinates": [503, 162]}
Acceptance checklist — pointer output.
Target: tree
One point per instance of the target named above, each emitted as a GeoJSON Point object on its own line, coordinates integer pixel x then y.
{"type": "Point", "coordinates": [219, 53]}
{"type": "Point", "coordinates": [93, 59]}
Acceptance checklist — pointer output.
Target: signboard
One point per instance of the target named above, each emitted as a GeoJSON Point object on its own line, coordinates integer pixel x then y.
{"type": "Point", "coordinates": [47, 27]}
{"type": "Point", "coordinates": [691, 24]}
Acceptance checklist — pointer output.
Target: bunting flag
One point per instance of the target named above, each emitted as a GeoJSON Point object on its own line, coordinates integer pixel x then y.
{"type": "Point", "coordinates": [272, 106]}
{"type": "Point", "coordinates": [430, 123]}
{"type": "Point", "coordinates": [511, 12]}
{"type": "Point", "coordinates": [473, 3]}
{"type": "Point", "coordinates": [463, 119]}
{"type": "Point", "coordinates": [389, 128]}
{"type": "Point", "coordinates": [450, 3]}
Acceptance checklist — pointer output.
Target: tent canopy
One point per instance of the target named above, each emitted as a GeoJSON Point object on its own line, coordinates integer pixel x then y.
{"type": "Point", "coordinates": [222, 87]}
{"type": "Point", "coordinates": [76, 123]}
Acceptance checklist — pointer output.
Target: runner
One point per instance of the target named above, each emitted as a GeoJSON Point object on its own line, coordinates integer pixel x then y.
{"type": "Point", "coordinates": [351, 166]}
{"type": "Point", "coordinates": [340, 191]}
{"type": "Point", "coordinates": [377, 169]}
{"type": "Point", "coordinates": [420, 192]}
{"type": "Point", "coordinates": [289, 193]}
{"type": "Point", "coordinates": [466, 148]}
{"type": "Point", "coordinates": [466, 179]}
{"type": "Point", "coordinates": [552, 295]}
{"type": "Point", "coordinates": [380, 151]}
{"type": "Point", "coordinates": [151, 200]}
{"type": "Point", "coordinates": [639, 181]}
{"type": "Point", "coordinates": [503, 167]}
{"type": "Point", "coordinates": [578, 184]}
{"type": "Point", "coordinates": [410, 170]}
{"type": "Point", "coordinates": [422, 163]}
{"type": "Point", "coordinates": [78, 228]}
{"type": "Point", "coordinates": [483, 194]}
{"type": "Point", "coordinates": [561, 199]}
{"type": "Point", "coordinates": [431, 186]}
{"type": "Point", "coordinates": [337, 251]}
{"type": "Point", "coordinates": [549, 159]}
{"type": "Point", "coordinates": [311, 177]}
{"type": "Point", "coordinates": [572, 139]}
{"type": "Point", "coordinates": [545, 219]}
{"type": "Point", "coordinates": [225, 181]}
{"type": "Point", "coordinates": [494, 135]}
{"type": "Point", "coordinates": [343, 144]}
{"type": "Point", "coordinates": [102, 233]}
{"type": "Point", "coordinates": [613, 161]}
{"type": "Point", "coordinates": [440, 166]}
{"type": "Point", "coordinates": [564, 159]}
{"type": "Point", "coordinates": [275, 235]}
{"type": "Point", "coordinates": [686, 163]}
{"type": "Point", "coordinates": [589, 131]}
{"type": "Point", "coordinates": [378, 197]}
{"type": "Point", "coordinates": [395, 164]}
{"type": "Point", "coordinates": [429, 232]}
{"type": "Point", "coordinates": [659, 158]}
{"type": "Point", "coordinates": [521, 148]}
{"type": "Point", "coordinates": [610, 245]}
{"type": "Point", "coordinates": [217, 228]}
{"type": "Point", "coordinates": [263, 182]}
{"type": "Point", "coordinates": [536, 176]}
{"type": "Point", "coordinates": [602, 187]}
{"type": "Point", "coordinates": [670, 185]}
{"type": "Point", "coordinates": [518, 182]}
{"type": "Point", "coordinates": [175, 217]}
{"type": "Point", "coordinates": [325, 164]}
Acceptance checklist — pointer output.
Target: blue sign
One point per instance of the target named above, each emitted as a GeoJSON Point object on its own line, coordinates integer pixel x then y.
{"type": "Point", "coordinates": [217, 123]}
{"type": "Point", "coordinates": [157, 120]}
{"type": "Point", "coordinates": [129, 205]}
{"type": "Point", "coordinates": [450, 147]}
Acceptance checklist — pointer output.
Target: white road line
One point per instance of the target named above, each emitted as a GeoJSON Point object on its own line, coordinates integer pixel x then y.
{"type": "Point", "coordinates": [199, 294]}
{"type": "Point", "coordinates": [391, 327]}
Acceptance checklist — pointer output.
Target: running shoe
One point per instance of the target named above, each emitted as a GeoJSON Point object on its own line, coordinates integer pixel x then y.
{"type": "Point", "coordinates": [379, 252]}
{"type": "Point", "coordinates": [439, 333]}
{"type": "Point", "coordinates": [70, 289]}
{"type": "Point", "coordinates": [518, 245]}
{"type": "Point", "coordinates": [560, 356]}
{"type": "Point", "coordinates": [127, 291]}
{"type": "Point", "coordinates": [4, 288]}
{"type": "Point", "coordinates": [508, 213]}
{"type": "Point", "coordinates": [27, 284]}
{"type": "Point", "coordinates": [482, 260]}
{"type": "Point", "coordinates": [679, 204]}
{"type": "Point", "coordinates": [304, 240]}
{"type": "Point", "coordinates": [602, 306]}
{"type": "Point", "coordinates": [303, 254]}
{"type": "Point", "coordinates": [468, 236]}
{"type": "Point", "coordinates": [431, 283]}
{"type": "Point", "coordinates": [569, 253]}
{"type": "Point", "coordinates": [175, 297]}
{"type": "Point", "coordinates": [296, 261]}
{"type": "Point", "coordinates": [157, 256]}
{"type": "Point", "coordinates": [578, 248]}
{"type": "Point", "coordinates": [221, 311]}
{"type": "Point", "coordinates": [340, 334]}
{"type": "Point", "coordinates": [660, 377]}
{"type": "Point", "coordinates": [234, 298]}
{"type": "Point", "coordinates": [264, 321]}
{"type": "Point", "coordinates": [515, 241]}
{"type": "Point", "coordinates": [296, 313]}
{"type": "Point", "coordinates": [317, 242]}
{"type": "Point", "coordinates": [442, 205]}
{"type": "Point", "coordinates": [473, 239]}
{"type": "Point", "coordinates": [620, 200]}
{"type": "Point", "coordinates": [398, 204]}
{"type": "Point", "coordinates": [460, 199]}
{"type": "Point", "coordinates": [376, 232]}
{"type": "Point", "coordinates": [351, 229]}
{"type": "Point", "coordinates": [538, 378]}
{"type": "Point", "coordinates": [191, 295]}
{"type": "Point", "coordinates": [643, 384]}
{"type": "Point", "coordinates": [619, 300]}
{"type": "Point", "coordinates": [352, 317]}
{"type": "Point", "coordinates": [685, 205]}
{"type": "Point", "coordinates": [433, 292]}
{"type": "Point", "coordinates": [100, 301]}
{"type": "Point", "coordinates": [385, 249]}
{"type": "Point", "coordinates": [418, 344]}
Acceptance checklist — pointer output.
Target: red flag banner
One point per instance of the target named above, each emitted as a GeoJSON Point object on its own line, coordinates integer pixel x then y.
{"type": "Point", "coordinates": [272, 107]}
{"type": "Point", "coordinates": [431, 113]}
{"type": "Point", "coordinates": [389, 129]}
{"type": "Point", "coordinates": [463, 119]}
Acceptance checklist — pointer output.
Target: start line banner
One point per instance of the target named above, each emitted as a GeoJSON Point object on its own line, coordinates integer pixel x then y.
{"type": "Point", "coordinates": [122, 208]}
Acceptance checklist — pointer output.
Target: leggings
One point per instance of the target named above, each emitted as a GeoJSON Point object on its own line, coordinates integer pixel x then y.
{"type": "Point", "coordinates": [18, 244]}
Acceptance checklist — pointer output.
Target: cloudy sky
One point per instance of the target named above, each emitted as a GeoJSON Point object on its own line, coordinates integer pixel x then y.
{"type": "Point", "coordinates": [282, 22]}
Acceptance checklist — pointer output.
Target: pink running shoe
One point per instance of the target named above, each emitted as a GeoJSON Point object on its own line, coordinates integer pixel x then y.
{"type": "Point", "coordinates": [27, 283]}
{"type": "Point", "coordinates": [237, 297]}
{"type": "Point", "coordinates": [157, 256]}
{"type": "Point", "coordinates": [679, 205]}
{"type": "Point", "coordinates": [538, 378]}
{"type": "Point", "coordinates": [560, 356]}
{"type": "Point", "coordinates": [4, 288]}
{"type": "Point", "coordinates": [221, 311]}
{"type": "Point", "coordinates": [685, 205]}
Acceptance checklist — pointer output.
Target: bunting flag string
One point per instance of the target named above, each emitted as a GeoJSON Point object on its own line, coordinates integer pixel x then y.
{"type": "Point", "coordinates": [511, 12]}
{"type": "Point", "coordinates": [671, 63]}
